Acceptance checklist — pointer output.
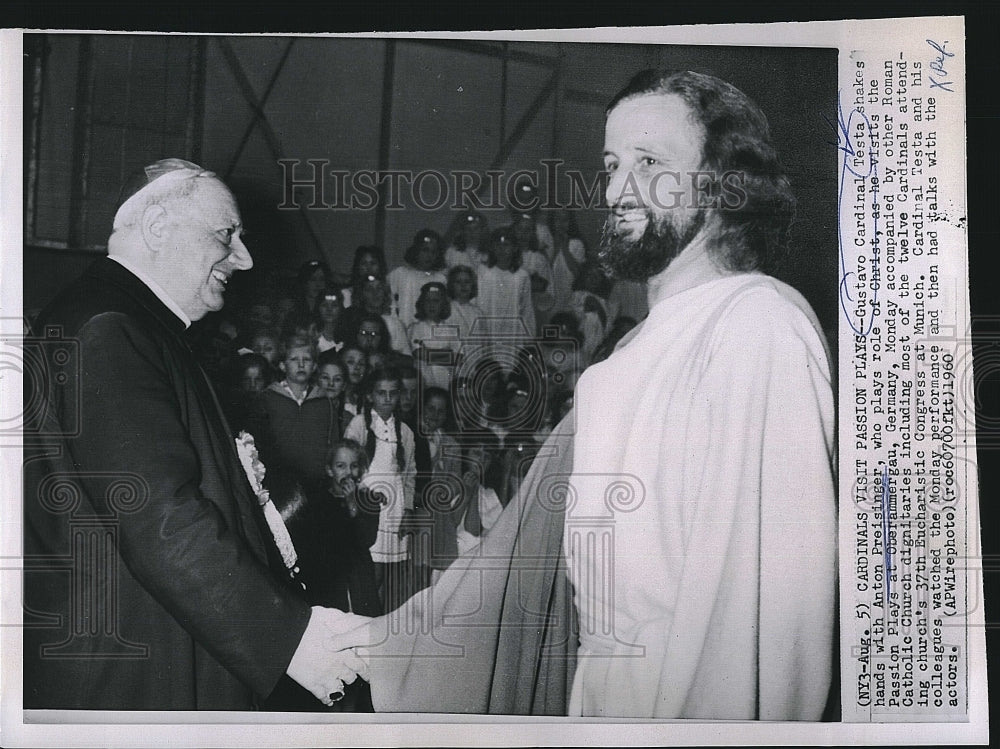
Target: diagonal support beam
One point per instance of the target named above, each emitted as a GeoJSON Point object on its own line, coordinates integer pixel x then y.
{"type": "Point", "coordinates": [510, 143]}
{"type": "Point", "coordinates": [273, 142]}
{"type": "Point", "coordinates": [258, 112]}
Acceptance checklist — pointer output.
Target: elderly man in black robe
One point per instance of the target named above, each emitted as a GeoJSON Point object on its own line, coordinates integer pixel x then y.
{"type": "Point", "coordinates": [152, 581]}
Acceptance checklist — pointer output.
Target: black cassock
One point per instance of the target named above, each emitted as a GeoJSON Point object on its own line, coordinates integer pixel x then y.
{"type": "Point", "coordinates": [151, 581]}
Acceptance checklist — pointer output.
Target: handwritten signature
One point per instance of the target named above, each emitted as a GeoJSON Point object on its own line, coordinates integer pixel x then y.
{"type": "Point", "coordinates": [937, 65]}
{"type": "Point", "coordinates": [859, 163]}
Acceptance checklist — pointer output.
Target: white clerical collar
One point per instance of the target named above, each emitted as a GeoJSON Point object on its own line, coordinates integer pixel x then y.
{"type": "Point", "coordinates": [154, 287]}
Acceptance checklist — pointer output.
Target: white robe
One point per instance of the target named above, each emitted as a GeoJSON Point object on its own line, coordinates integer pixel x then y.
{"type": "Point", "coordinates": [701, 541]}
{"type": "Point", "coordinates": [508, 315]}
{"type": "Point", "coordinates": [406, 282]}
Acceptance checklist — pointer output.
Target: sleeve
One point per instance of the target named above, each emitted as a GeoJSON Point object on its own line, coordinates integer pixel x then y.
{"type": "Point", "coordinates": [178, 543]}
{"type": "Point", "coordinates": [759, 518]}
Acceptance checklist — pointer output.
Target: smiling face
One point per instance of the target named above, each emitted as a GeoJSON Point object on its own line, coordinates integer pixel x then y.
{"type": "Point", "coordinates": [199, 247]}
{"type": "Point", "coordinates": [345, 465]}
{"type": "Point", "coordinates": [356, 363]}
{"type": "Point", "coordinates": [652, 145]}
{"type": "Point", "coordinates": [332, 379]}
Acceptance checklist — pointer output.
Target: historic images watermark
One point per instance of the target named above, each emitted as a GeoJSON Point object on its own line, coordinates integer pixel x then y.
{"type": "Point", "coordinates": [314, 184]}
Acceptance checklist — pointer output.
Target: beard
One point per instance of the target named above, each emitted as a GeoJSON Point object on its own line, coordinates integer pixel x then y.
{"type": "Point", "coordinates": [639, 259]}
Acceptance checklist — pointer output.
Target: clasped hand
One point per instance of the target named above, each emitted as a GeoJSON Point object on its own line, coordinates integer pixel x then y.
{"type": "Point", "coordinates": [326, 659]}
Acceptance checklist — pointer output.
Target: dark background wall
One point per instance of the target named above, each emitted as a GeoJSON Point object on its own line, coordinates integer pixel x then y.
{"type": "Point", "coordinates": [99, 106]}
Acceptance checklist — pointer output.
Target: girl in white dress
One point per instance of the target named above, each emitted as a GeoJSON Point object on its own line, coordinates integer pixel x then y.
{"type": "Point", "coordinates": [505, 298]}
{"type": "Point", "coordinates": [424, 263]}
{"type": "Point", "coordinates": [435, 343]}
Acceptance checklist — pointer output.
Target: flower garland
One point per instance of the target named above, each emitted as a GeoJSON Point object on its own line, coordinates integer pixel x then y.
{"type": "Point", "coordinates": [255, 471]}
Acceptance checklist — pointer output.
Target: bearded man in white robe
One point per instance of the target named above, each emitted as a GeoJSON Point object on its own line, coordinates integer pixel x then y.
{"type": "Point", "coordinates": [699, 516]}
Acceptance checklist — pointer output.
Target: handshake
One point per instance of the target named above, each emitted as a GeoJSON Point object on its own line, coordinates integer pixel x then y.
{"type": "Point", "coordinates": [327, 658]}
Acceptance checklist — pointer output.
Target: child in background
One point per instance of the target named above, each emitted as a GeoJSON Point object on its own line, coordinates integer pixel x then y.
{"type": "Point", "coordinates": [369, 262]}
{"type": "Point", "coordinates": [356, 363]}
{"type": "Point", "coordinates": [505, 298]}
{"type": "Point", "coordinates": [312, 278]}
{"type": "Point", "coordinates": [466, 240]}
{"type": "Point", "coordinates": [435, 343]}
{"type": "Point", "coordinates": [331, 376]}
{"type": "Point", "coordinates": [483, 496]}
{"type": "Point", "coordinates": [589, 294]}
{"type": "Point", "coordinates": [266, 343]}
{"type": "Point", "coordinates": [479, 397]}
{"type": "Point", "coordinates": [370, 335]}
{"type": "Point", "coordinates": [446, 470]}
{"type": "Point", "coordinates": [250, 375]}
{"type": "Point", "coordinates": [568, 252]}
{"type": "Point", "coordinates": [462, 289]}
{"type": "Point", "coordinates": [409, 391]}
{"type": "Point", "coordinates": [372, 296]}
{"type": "Point", "coordinates": [424, 262]}
{"type": "Point", "coordinates": [360, 509]}
{"type": "Point", "coordinates": [327, 320]}
{"type": "Point", "coordinates": [389, 445]}
{"type": "Point", "coordinates": [536, 263]}
{"type": "Point", "coordinates": [299, 422]}
{"type": "Point", "coordinates": [331, 524]}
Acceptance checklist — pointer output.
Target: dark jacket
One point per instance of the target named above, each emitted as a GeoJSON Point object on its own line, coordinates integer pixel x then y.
{"type": "Point", "coordinates": [297, 437]}
{"type": "Point", "coordinates": [147, 582]}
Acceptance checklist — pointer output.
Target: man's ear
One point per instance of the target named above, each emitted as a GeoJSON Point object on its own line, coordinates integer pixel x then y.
{"type": "Point", "coordinates": [281, 366]}
{"type": "Point", "coordinates": [154, 226]}
{"type": "Point", "coordinates": [329, 471]}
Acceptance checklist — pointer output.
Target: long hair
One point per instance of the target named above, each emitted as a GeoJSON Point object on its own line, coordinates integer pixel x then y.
{"type": "Point", "coordinates": [422, 300]}
{"type": "Point", "coordinates": [377, 253]}
{"type": "Point", "coordinates": [358, 292]}
{"type": "Point", "coordinates": [381, 374]}
{"type": "Point", "coordinates": [504, 235]}
{"type": "Point", "coordinates": [351, 334]}
{"type": "Point", "coordinates": [422, 237]}
{"type": "Point", "coordinates": [737, 152]}
{"type": "Point", "coordinates": [460, 225]}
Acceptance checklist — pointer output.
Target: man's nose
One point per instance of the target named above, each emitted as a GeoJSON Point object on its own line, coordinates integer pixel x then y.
{"type": "Point", "coordinates": [621, 190]}
{"type": "Point", "coordinates": [239, 255]}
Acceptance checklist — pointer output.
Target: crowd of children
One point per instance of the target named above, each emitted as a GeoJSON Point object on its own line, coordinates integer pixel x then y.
{"type": "Point", "coordinates": [397, 410]}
